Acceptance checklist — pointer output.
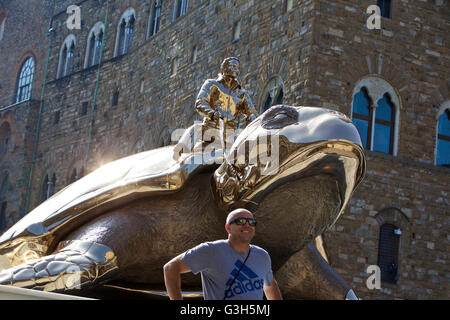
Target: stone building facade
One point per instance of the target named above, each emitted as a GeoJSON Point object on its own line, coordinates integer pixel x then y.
{"type": "Point", "coordinates": [156, 55]}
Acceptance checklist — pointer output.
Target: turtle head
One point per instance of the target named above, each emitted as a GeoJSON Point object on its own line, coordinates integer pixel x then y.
{"type": "Point", "coordinates": [286, 144]}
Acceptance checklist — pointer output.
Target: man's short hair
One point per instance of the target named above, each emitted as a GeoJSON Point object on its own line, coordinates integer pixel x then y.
{"type": "Point", "coordinates": [226, 61]}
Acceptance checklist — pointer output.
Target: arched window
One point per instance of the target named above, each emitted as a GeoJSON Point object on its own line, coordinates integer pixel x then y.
{"type": "Point", "coordinates": [70, 53]}
{"type": "Point", "coordinates": [385, 8]}
{"type": "Point", "coordinates": [273, 93]}
{"type": "Point", "coordinates": [63, 60]}
{"type": "Point", "coordinates": [362, 117]}
{"type": "Point", "coordinates": [3, 225]}
{"type": "Point", "coordinates": [98, 48]}
{"type": "Point", "coordinates": [52, 185]}
{"type": "Point", "coordinates": [5, 135]}
{"type": "Point", "coordinates": [129, 32]}
{"type": "Point", "coordinates": [66, 56]}
{"type": "Point", "coordinates": [25, 81]}
{"type": "Point", "coordinates": [122, 28]}
{"type": "Point", "coordinates": [91, 51]}
{"type": "Point", "coordinates": [155, 18]}
{"type": "Point", "coordinates": [179, 8]}
{"type": "Point", "coordinates": [73, 176]}
{"type": "Point", "coordinates": [237, 30]}
{"type": "Point", "coordinates": [44, 195]}
{"type": "Point", "coordinates": [48, 187]}
{"type": "Point", "coordinates": [125, 32]}
{"type": "Point", "coordinates": [164, 138]}
{"type": "Point", "coordinates": [384, 125]}
{"type": "Point", "coordinates": [443, 137]}
{"type": "Point", "coordinates": [94, 46]}
{"type": "Point", "coordinates": [388, 246]}
{"type": "Point", "coordinates": [2, 27]}
{"type": "Point", "coordinates": [3, 204]}
{"type": "Point", "coordinates": [375, 112]}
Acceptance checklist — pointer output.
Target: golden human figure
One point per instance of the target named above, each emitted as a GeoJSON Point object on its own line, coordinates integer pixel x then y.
{"type": "Point", "coordinates": [224, 98]}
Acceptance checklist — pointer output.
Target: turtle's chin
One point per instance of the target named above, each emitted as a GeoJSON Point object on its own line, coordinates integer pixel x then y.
{"type": "Point", "coordinates": [295, 213]}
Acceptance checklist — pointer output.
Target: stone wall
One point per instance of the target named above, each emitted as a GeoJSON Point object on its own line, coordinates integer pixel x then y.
{"type": "Point", "coordinates": [16, 155]}
{"type": "Point", "coordinates": [411, 53]}
{"type": "Point", "coordinates": [412, 196]}
{"type": "Point", "coordinates": [20, 41]}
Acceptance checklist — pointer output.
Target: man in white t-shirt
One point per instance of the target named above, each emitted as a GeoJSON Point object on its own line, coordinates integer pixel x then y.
{"type": "Point", "coordinates": [230, 269]}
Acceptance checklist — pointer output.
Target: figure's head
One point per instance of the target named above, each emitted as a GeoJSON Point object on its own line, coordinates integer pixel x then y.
{"type": "Point", "coordinates": [230, 67]}
{"type": "Point", "coordinates": [239, 227]}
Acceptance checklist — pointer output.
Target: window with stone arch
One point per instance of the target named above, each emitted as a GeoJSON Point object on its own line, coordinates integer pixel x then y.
{"type": "Point", "coordinates": [94, 45]}
{"type": "Point", "coordinates": [75, 175]}
{"type": "Point", "coordinates": [48, 186]}
{"type": "Point", "coordinates": [385, 8]}
{"type": "Point", "coordinates": [179, 8]}
{"type": "Point", "coordinates": [66, 56]}
{"type": "Point", "coordinates": [154, 19]}
{"type": "Point", "coordinates": [5, 137]}
{"type": "Point", "coordinates": [3, 203]}
{"type": "Point", "coordinates": [394, 234]}
{"type": "Point", "coordinates": [388, 246]}
{"type": "Point", "coordinates": [375, 112]}
{"type": "Point", "coordinates": [2, 26]}
{"type": "Point", "coordinates": [25, 81]}
{"type": "Point", "coordinates": [443, 136]}
{"type": "Point", "coordinates": [125, 32]}
{"type": "Point", "coordinates": [273, 93]}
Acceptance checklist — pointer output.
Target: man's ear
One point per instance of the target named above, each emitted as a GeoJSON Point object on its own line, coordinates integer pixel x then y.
{"type": "Point", "coordinates": [227, 227]}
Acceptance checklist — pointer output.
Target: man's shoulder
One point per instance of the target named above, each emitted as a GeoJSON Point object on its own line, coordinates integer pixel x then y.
{"type": "Point", "coordinates": [259, 250]}
{"type": "Point", "coordinates": [203, 249]}
{"type": "Point", "coordinates": [213, 244]}
{"type": "Point", "coordinates": [209, 82]}
{"type": "Point", "coordinates": [217, 243]}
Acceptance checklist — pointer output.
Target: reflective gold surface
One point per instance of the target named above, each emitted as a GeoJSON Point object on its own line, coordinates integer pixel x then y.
{"type": "Point", "coordinates": [114, 183]}
{"type": "Point", "coordinates": [294, 167]}
{"type": "Point", "coordinates": [300, 152]}
{"type": "Point", "coordinates": [224, 98]}
{"type": "Point", "coordinates": [75, 264]}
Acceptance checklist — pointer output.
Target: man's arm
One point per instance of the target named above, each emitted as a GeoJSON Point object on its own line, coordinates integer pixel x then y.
{"type": "Point", "coordinates": [272, 292]}
{"type": "Point", "coordinates": [248, 107]}
{"type": "Point", "coordinates": [172, 277]}
{"type": "Point", "coordinates": [202, 103]}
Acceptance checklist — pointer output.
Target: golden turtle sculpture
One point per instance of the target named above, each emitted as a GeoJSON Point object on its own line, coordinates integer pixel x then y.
{"type": "Point", "coordinates": [295, 168]}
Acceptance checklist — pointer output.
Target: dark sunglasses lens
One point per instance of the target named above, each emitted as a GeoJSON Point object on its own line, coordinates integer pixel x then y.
{"type": "Point", "coordinates": [242, 221]}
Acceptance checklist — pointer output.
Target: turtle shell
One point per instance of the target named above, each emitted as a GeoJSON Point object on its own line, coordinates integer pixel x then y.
{"type": "Point", "coordinates": [154, 171]}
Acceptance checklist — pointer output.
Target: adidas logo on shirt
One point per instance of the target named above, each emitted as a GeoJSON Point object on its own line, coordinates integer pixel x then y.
{"type": "Point", "coordinates": [246, 281]}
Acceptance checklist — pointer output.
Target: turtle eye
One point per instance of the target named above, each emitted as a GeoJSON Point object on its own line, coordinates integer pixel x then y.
{"type": "Point", "coordinates": [279, 116]}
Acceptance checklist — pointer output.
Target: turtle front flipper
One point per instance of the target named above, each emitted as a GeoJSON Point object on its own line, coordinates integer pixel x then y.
{"type": "Point", "coordinates": [307, 275]}
{"type": "Point", "coordinates": [77, 265]}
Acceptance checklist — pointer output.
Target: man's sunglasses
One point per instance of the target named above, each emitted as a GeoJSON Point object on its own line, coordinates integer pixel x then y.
{"type": "Point", "coordinates": [243, 221]}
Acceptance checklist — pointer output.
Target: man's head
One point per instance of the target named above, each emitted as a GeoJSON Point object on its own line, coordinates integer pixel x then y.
{"type": "Point", "coordinates": [238, 231]}
{"type": "Point", "coordinates": [230, 67]}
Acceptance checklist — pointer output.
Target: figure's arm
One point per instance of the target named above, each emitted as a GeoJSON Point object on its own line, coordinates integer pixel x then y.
{"type": "Point", "coordinates": [248, 108]}
{"type": "Point", "coordinates": [273, 292]}
{"type": "Point", "coordinates": [172, 277]}
{"type": "Point", "coordinates": [202, 104]}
